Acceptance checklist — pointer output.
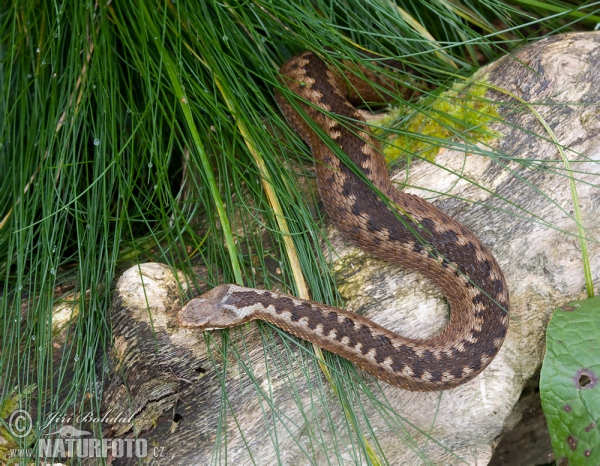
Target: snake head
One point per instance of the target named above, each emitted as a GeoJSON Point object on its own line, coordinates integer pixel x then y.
{"type": "Point", "coordinates": [211, 311]}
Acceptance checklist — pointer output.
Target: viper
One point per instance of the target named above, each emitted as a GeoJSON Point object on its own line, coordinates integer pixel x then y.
{"type": "Point", "coordinates": [393, 225]}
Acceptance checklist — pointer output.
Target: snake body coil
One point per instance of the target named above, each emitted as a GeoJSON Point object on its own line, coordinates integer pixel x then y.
{"type": "Point", "coordinates": [446, 253]}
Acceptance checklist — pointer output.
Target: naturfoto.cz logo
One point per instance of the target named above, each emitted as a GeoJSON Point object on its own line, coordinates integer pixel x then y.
{"type": "Point", "coordinates": [70, 442]}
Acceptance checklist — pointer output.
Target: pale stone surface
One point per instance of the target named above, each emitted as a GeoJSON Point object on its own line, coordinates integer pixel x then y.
{"type": "Point", "coordinates": [541, 261]}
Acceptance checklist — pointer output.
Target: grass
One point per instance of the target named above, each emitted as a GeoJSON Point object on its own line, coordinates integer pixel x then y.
{"type": "Point", "coordinates": [135, 132]}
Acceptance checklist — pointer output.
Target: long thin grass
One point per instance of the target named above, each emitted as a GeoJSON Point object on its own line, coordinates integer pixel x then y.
{"type": "Point", "coordinates": [147, 131]}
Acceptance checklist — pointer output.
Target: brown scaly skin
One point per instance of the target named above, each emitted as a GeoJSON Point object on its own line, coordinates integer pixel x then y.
{"type": "Point", "coordinates": [446, 253]}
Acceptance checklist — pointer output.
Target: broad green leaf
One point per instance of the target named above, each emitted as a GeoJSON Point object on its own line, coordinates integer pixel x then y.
{"type": "Point", "coordinates": [569, 382]}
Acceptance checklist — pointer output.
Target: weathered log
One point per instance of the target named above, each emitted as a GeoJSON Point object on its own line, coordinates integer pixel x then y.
{"type": "Point", "coordinates": [163, 374]}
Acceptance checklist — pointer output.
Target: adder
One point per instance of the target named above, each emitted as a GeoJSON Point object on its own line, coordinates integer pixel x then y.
{"type": "Point", "coordinates": [411, 233]}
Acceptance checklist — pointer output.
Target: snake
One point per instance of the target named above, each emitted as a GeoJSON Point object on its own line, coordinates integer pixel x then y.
{"type": "Point", "coordinates": [406, 230]}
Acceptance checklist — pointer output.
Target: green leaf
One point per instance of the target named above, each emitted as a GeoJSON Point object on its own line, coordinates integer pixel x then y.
{"type": "Point", "coordinates": [569, 382]}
